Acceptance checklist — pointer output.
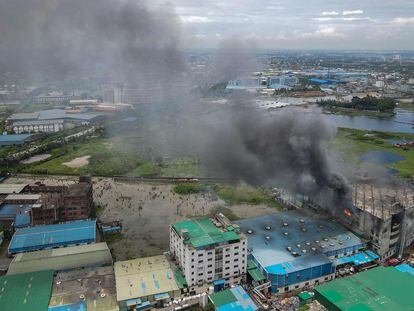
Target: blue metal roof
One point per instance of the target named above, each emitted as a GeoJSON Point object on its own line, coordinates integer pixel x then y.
{"type": "Point", "coordinates": [303, 232]}
{"type": "Point", "coordinates": [405, 268]}
{"type": "Point", "coordinates": [357, 259]}
{"type": "Point", "coordinates": [243, 303]}
{"type": "Point", "coordinates": [14, 137]}
{"type": "Point", "coordinates": [21, 221]}
{"type": "Point", "coordinates": [41, 237]}
{"type": "Point", "coordinates": [79, 306]}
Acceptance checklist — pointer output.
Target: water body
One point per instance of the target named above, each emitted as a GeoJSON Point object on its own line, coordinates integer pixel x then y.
{"type": "Point", "coordinates": [401, 122]}
{"type": "Point", "coordinates": [380, 157]}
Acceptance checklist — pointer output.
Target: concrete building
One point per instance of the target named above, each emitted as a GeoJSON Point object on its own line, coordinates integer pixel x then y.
{"type": "Point", "coordinates": [62, 259]}
{"type": "Point", "coordinates": [379, 84]}
{"type": "Point", "coordinates": [384, 216]}
{"type": "Point", "coordinates": [209, 250]}
{"type": "Point", "coordinates": [52, 98]}
{"type": "Point", "coordinates": [377, 289]}
{"type": "Point", "coordinates": [144, 283]}
{"type": "Point", "coordinates": [22, 198]}
{"type": "Point", "coordinates": [53, 236]}
{"type": "Point", "coordinates": [297, 249]}
{"type": "Point", "coordinates": [91, 289]}
{"type": "Point", "coordinates": [246, 83]}
{"type": "Point", "coordinates": [284, 80]}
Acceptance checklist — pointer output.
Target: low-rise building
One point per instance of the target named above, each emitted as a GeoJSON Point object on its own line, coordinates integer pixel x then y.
{"type": "Point", "coordinates": [62, 259]}
{"type": "Point", "coordinates": [145, 282]}
{"type": "Point", "coordinates": [233, 299]}
{"type": "Point", "coordinates": [209, 250]}
{"type": "Point", "coordinates": [296, 249]}
{"type": "Point", "coordinates": [53, 236]}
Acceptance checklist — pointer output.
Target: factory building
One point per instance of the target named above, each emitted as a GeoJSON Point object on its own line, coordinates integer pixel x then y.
{"type": "Point", "coordinates": [49, 121]}
{"type": "Point", "coordinates": [246, 83]}
{"type": "Point", "coordinates": [284, 80]}
{"type": "Point", "coordinates": [62, 259]}
{"type": "Point", "coordinates": [144, 283]}
{"type": "Point", "coordinates": [52, 236]}
{"type": "Point", "coordinates": [376, 289]}
{"type": "Point", "coordinates": [384, 216]}
{"type": "Point", "coordinates": [209, 250]}
{"type": "Point", "coordinates": [296, 249]}
{"type": "Point", "coordinates": [15, 139]}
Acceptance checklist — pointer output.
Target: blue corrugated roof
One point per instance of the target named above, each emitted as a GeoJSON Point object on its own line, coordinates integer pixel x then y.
{"type": "Point", "coordinates": [21, 221]}
{"type": "Point", "coordinates": [357, 259]}
{"type": "Point", "coordinates": [405, 268]}
{"type": "Point", "coordinates": [41, 237]}
{"type": "Point", "coordinates": [315, 235]}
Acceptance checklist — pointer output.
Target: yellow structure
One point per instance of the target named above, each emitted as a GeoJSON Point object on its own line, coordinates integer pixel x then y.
{"type": "Point", "coordinates": [145, 279]}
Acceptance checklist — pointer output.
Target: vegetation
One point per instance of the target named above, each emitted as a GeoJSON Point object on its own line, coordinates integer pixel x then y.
{"type": "Point", "coordinates": [351, 144]}
{"type": "Point", "coordinates": [113, 237]}
{"type": "Point", "coordinates": [190, 188]}
{"type": "Point", "coordinates": [245, 194]}
{"type": "Point", "coordinates": [368, 103]}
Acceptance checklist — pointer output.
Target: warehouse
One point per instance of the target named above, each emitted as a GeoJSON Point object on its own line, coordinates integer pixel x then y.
{"type": "Point", "coordinates": [62, 259]}
{"type": "Point", "coordinates": [12, 140]}
{"type": "Point", "coordinates": [296, 249]}
{"type": "Point", "coordinates": [376, 289]}
{"type": "Point", "coordinates": [52, 236]}
{"type": "Point", "coordinates": [145, 281]}
{"type": "Point", "coordinates": [6, 189]}
{"type": "Point", "coordinates": [28, 291]}
{"type": "Point", "coordinates": [233, 299]}
{"type": "Point", "coordinates": [15, 215]}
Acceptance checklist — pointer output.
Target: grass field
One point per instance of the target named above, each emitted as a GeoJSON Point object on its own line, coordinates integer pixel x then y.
{"type": "Point", "coordinates": [357, 112]}
{"type": "Point", "coordinates": [354, 143]}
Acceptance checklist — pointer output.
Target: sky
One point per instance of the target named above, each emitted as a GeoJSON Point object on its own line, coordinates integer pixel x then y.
{"type": "Point", "coordinates": [299, 24]}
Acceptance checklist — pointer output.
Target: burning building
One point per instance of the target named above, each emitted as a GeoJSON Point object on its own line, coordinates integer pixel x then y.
{"type": "Point", "coordinates": [384, 216]}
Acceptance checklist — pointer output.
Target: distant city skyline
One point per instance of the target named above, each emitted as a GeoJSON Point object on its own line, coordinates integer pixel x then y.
{"type": "Point", "coordinates": [299, 24]}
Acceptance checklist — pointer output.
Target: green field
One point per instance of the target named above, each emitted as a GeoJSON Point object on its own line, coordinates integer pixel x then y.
{"type": "Point", "coordinates": [353, 143]}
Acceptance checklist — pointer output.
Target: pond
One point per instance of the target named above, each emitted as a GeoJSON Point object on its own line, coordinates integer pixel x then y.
{"type": "Point", "coordinates": [380, 157]}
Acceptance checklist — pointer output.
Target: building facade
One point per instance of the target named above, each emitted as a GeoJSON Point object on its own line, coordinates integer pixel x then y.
{"type": "Point", "coordinates": [209, 250]}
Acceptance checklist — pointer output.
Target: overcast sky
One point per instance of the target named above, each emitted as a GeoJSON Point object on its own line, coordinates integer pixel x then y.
{"type": "Point", "coordinates": [300, 24]}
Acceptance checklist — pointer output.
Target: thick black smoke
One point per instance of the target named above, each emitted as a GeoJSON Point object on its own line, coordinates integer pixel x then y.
{"type": "Point", "coordinates": [287, 148]}
{"type": "Point", "coordinates": [56, 38]}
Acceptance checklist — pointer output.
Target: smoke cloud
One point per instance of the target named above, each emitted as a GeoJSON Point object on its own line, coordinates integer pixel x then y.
{"type": "Point", "coordinates": [61, 37]}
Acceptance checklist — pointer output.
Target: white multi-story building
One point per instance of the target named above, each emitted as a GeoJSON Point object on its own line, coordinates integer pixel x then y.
{"type": "Point", "coordinates": [380, 83]}
{"type": "Point", "coordinates": [209, 250]}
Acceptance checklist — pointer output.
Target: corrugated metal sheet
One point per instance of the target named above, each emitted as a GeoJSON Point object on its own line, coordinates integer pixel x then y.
{"type": "Point", "coordinates": [62, 258]}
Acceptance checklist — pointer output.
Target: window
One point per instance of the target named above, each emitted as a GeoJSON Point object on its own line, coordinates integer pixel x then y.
{"type": "Point", "coordinates": [200, 274]}
{"type": "Point", "coordinates": [209, 266]}
{"type": "Point", "coordinates": [209, 253]}
{"type": "Point", "coordinates": [236, 247]}
{"type": "Point", "coordinates": [227, 261]}
{"type": "Point", "coordinates": [200, 261]}
{"type": "Point", "coordinates": [227, 268]}
{"type": "Point", "coordinates": [307, 283]}
{"type": "Point", "coordinates": [235, 254]}
{"type": "Point", "coordinates": [236, 266]}
{"type": "Point", "coordinates": [297, 286]}
{"type": "Point", "coordinates": [227, 255]}
{"type": "Point", "coordinates": [210, 259]}
{"type": "Point", "coordinates": [237, 259]}
{"type": "Point", "coordinates": [192, 267]}
{"type": "Point", "coordinates": [199, 255]}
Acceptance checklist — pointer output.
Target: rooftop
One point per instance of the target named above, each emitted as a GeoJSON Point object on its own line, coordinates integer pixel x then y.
{"type": "Point", "coordinates": [41, 237]}
{"type": "Point", "coordinates": [204, 232]}
{"type": "Point", "coordinates": [144, 277]}
{"type": "Point", "coordinates": [23, 197]}
{"type": "Point", "coordinates": [233, 299]}
{"type": "Point", "coordinates": [28, 291]}
{"type": "Point", "coordinates": [62, 258]}
{"type": "Point", "coordinates": [376, 290]}
{"type": "Point", "coordinates": [14, 137]}
{"type": "Point", "coordinates": [295, 239]}
{"type": "Point", "coordinates": [11, 188]}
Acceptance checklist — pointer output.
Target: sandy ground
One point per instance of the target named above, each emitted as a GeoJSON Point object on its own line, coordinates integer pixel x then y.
{"type": "Point", "coordinates": [36, 158]}
{"type": "Point", "coordinates": [147, 209]}
{"type": "Point", "coordinates": [78, 162]}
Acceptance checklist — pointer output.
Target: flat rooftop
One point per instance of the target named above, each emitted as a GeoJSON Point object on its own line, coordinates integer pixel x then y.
{"type": "Point", "coordinates": [28, 291]}
{"type": "Point", "coordinates": [41, 237]}
{"type": "Point", "coordinates": [144, 277]}
{"type": "Point", "coordinates": [203, 232]}
{"type": "Point", "coordinates": [31, 197]}
{"type": "Point", "coordinates": [61, 259]}
{"type": "Point", "coordinates": [97, 285]}
{"type": "Point", "coordinates": [378, 289]}
{"type": "Point", "coordinates": [298, 239]}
